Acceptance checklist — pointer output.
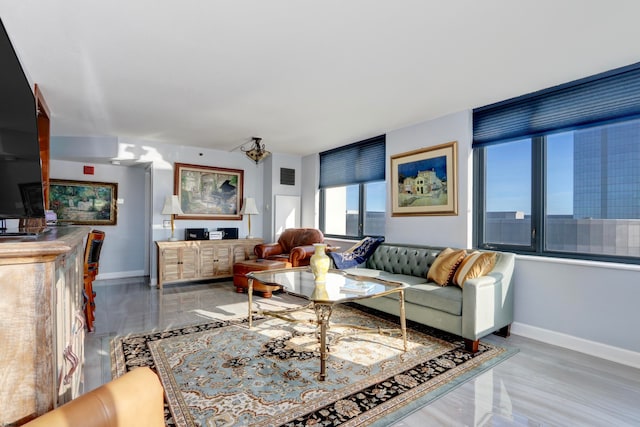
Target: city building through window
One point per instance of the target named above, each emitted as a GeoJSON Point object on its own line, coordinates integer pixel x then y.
{"type": "Point", "coordinates": [568, 188]}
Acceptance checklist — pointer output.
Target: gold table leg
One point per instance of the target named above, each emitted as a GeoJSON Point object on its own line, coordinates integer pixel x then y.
{"type": "Point", "coordinates": [323, 313]}
{"type": "Point", "coordinates": [250, 295]}
{"type": "Point", "coordinates": [403, 320]}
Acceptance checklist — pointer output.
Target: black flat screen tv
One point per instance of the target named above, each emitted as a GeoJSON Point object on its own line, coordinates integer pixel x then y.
{"type": "Point", "coordinates": [21, 195]}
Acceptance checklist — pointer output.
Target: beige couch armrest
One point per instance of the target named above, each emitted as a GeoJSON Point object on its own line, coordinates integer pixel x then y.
{"type": "Point", "coordinates": [134, 399]}
{"type": "Point", "coordinates": [487, 301]}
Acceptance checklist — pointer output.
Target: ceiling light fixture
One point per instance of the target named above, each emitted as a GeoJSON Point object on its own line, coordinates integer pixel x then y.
{"type": "Point", "coordinates": [257, 153]}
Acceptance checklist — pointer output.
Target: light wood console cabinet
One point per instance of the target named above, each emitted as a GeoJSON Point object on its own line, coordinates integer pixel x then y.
{"type": "Point", "coordinates": [177, 263]}
{"type": "Point", "coordinates": [186, 260]}
{"type": "Point", "coordinates": [41, 322]}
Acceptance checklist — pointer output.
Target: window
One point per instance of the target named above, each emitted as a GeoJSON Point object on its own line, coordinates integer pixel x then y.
{"type": "Point", "coordinates": [352, 190]}
{"type": "Point", "coordinates": [508, 194]}
{"type": "Point", "coordinates": [568, 188]}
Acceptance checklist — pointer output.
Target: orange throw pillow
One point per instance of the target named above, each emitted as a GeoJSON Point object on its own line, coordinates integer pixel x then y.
{"type": "Point", "coordinates": [474, 265]}
{"type": "Point", "coordinates": [445, 264]}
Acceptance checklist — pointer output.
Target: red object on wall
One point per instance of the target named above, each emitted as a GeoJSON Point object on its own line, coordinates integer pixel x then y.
{"type": "Point", "coordinates": [88, 170]}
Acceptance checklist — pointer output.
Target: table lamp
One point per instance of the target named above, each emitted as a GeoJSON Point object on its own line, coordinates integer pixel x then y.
{"type": "Point", "coordinates": [172, 207]}
{"type": "Point", "coordinates": [249, 208]}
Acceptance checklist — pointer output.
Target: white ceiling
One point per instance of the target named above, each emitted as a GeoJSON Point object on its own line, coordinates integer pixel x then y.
{"type": "Point", "coordinates": [303, 75]}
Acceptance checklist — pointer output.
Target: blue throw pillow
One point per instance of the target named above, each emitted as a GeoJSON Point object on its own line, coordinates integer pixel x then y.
{"type": "Point", "coordinates": [357, 254]}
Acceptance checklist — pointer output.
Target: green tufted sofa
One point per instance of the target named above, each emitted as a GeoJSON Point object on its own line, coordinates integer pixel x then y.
{"type": "Point", "coordinates": [484, 304]}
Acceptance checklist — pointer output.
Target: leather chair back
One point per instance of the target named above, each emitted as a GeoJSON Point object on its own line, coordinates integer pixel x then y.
{"type": "Point", "coordinates": [292, 237]}
{"type": "Point", "coordinates": [92, 251]}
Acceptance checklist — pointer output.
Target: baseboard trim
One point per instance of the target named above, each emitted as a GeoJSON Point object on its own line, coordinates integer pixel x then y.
{"type": "Point", "coordinates": [120, 275]}
{"type": "Point", "coordinates": [593, 348]}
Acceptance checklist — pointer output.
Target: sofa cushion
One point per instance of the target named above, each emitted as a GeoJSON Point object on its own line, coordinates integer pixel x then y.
{"type": "Point", "coordinates": [418, 291]}
{"type": "Point", "coordinates": [444, 266]}
{"type": "Point", "coordinates": [442, 298]}
{"type": "Point", "coordinates": [474, 265]}
{"type": "Point", "coordinates": [413, 261]}
{"type": "Point", "coordinates": [385, 275]}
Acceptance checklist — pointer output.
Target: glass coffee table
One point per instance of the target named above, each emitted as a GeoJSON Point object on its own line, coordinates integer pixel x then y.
{"type": "Point", "coordinates": [338, 288]}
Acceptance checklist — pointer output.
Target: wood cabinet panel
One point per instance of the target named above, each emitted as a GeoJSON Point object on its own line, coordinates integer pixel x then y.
{"type": "Point", "coordinates": [70, 321]}
{"type": "Point", "coordinates": [189, 264]}
{"type": "Point", "coordinates": [215, 259]}
{"type": "Point", "coordinates": [181, 261]}
{"type": "Point", "coordinates": [41, 284]}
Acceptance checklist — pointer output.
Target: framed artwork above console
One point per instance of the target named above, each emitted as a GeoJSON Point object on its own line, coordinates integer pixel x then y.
{"type": "Point", "coordinates": [208, 192]}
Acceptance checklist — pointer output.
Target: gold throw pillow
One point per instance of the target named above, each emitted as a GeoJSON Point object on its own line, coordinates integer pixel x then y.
{"type": "Point", "coordinates": [442, 269]}
{"type": "Point", "coordinates": [474, 265]}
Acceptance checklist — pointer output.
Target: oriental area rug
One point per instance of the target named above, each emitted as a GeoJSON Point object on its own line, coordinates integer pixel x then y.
{"type": "Point", "coordinates": [225, 374]}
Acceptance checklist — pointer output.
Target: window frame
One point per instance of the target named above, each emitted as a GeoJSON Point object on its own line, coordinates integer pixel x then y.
{"type": "Point", "coordinates": [359, 163]}
{"type": "Point", "coordinates": [362, 197]}
{"type": "Point", "coordinates": [538, 207]}
{"type": "Point", "coordinates": [599, 100]}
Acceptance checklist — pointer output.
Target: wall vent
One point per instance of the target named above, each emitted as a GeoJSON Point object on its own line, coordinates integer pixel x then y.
{"type": "Point", "coordinates": [287, 176]}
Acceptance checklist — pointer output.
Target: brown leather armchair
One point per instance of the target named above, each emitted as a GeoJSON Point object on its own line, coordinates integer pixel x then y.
{"type": "Point", "coordinates": [134, 399]}
{"type": "Point", "coordinates": [295, 246]}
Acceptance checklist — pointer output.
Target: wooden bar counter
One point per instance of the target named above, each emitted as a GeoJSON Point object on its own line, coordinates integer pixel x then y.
{"type": "Point", "coordinates": [41, 322]}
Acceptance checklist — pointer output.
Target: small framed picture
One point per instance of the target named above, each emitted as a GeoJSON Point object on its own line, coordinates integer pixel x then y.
{"type": "Point", "coordinates": [424, 182]}
{"type": "Point", "coordinates": [84, 202]}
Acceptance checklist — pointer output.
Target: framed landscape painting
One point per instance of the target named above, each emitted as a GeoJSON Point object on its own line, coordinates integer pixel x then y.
{"type": "Point", "coordinates": [207, 192]}
{"type": "Point", "coordinates": [84, 202]}
{"type": "Point", "coordinates": [424, 182]}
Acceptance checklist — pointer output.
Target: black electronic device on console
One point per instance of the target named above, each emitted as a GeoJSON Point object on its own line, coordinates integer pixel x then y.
{"type": "Point", "coordinates": [196, 234]}
{"type": "Point", "coordinates": [229, 233]}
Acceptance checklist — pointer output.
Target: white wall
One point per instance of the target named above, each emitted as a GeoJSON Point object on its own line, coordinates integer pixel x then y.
{"type": "Point", "coordinates": [273, 188]}
{"type": "Point", "coordinates": [309, 191]}
{"type": "Point", "coordinates": [590, 307]}
{"type": "Point", "coordinates": [161, 159]}
{"type": "Point", "coordinates": [586, 306]}
{"type": "Point", "coordinates": [123, 251]}
{"type": "Point", "coordinates": [449, 230]}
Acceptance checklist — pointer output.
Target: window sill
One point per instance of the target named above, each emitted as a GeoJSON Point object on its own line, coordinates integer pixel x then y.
{"type": "Point", "coordinates": [580, 262]}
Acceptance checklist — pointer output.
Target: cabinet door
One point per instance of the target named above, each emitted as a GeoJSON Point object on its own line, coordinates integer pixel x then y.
{"type": "Point", "coordinates": [215, 259]}
{"type": "Point", "coordinates": [179, 263]}
{"type": "Point", "coordinates": [244, 249]}
{"type": "Point", "coordinates": [207, 264]}
{"type": "Point", "coordinates": [222, 260]}
{"type": "Point", "coordinates": [188, 263]}
{"type": "Point", "coordinates": [170, 265]}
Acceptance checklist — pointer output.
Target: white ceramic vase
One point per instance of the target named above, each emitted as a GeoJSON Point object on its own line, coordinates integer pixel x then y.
{"type": "Point", "coordinates": [320, 262]}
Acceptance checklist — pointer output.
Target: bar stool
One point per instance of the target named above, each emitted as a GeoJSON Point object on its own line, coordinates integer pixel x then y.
{"type": "Point", "coordinates": [91, 261]}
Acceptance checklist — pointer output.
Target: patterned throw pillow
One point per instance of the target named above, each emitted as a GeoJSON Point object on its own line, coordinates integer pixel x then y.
{"type": "Point", "coordinates": [474, 265]}
{"type": "Point", "coordinates": [357, 254]}
{"type": "Point", "coordinates": [444, 266]}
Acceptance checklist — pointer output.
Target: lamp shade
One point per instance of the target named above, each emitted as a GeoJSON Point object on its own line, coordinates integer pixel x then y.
{"type": "Point", "coordinates": [172, 206]}
{"type": "Point", "coordinates": [249, 207]}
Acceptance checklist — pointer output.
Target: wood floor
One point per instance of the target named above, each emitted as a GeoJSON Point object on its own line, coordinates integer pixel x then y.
{"type": "Point", "coordinates": [542, 385]}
